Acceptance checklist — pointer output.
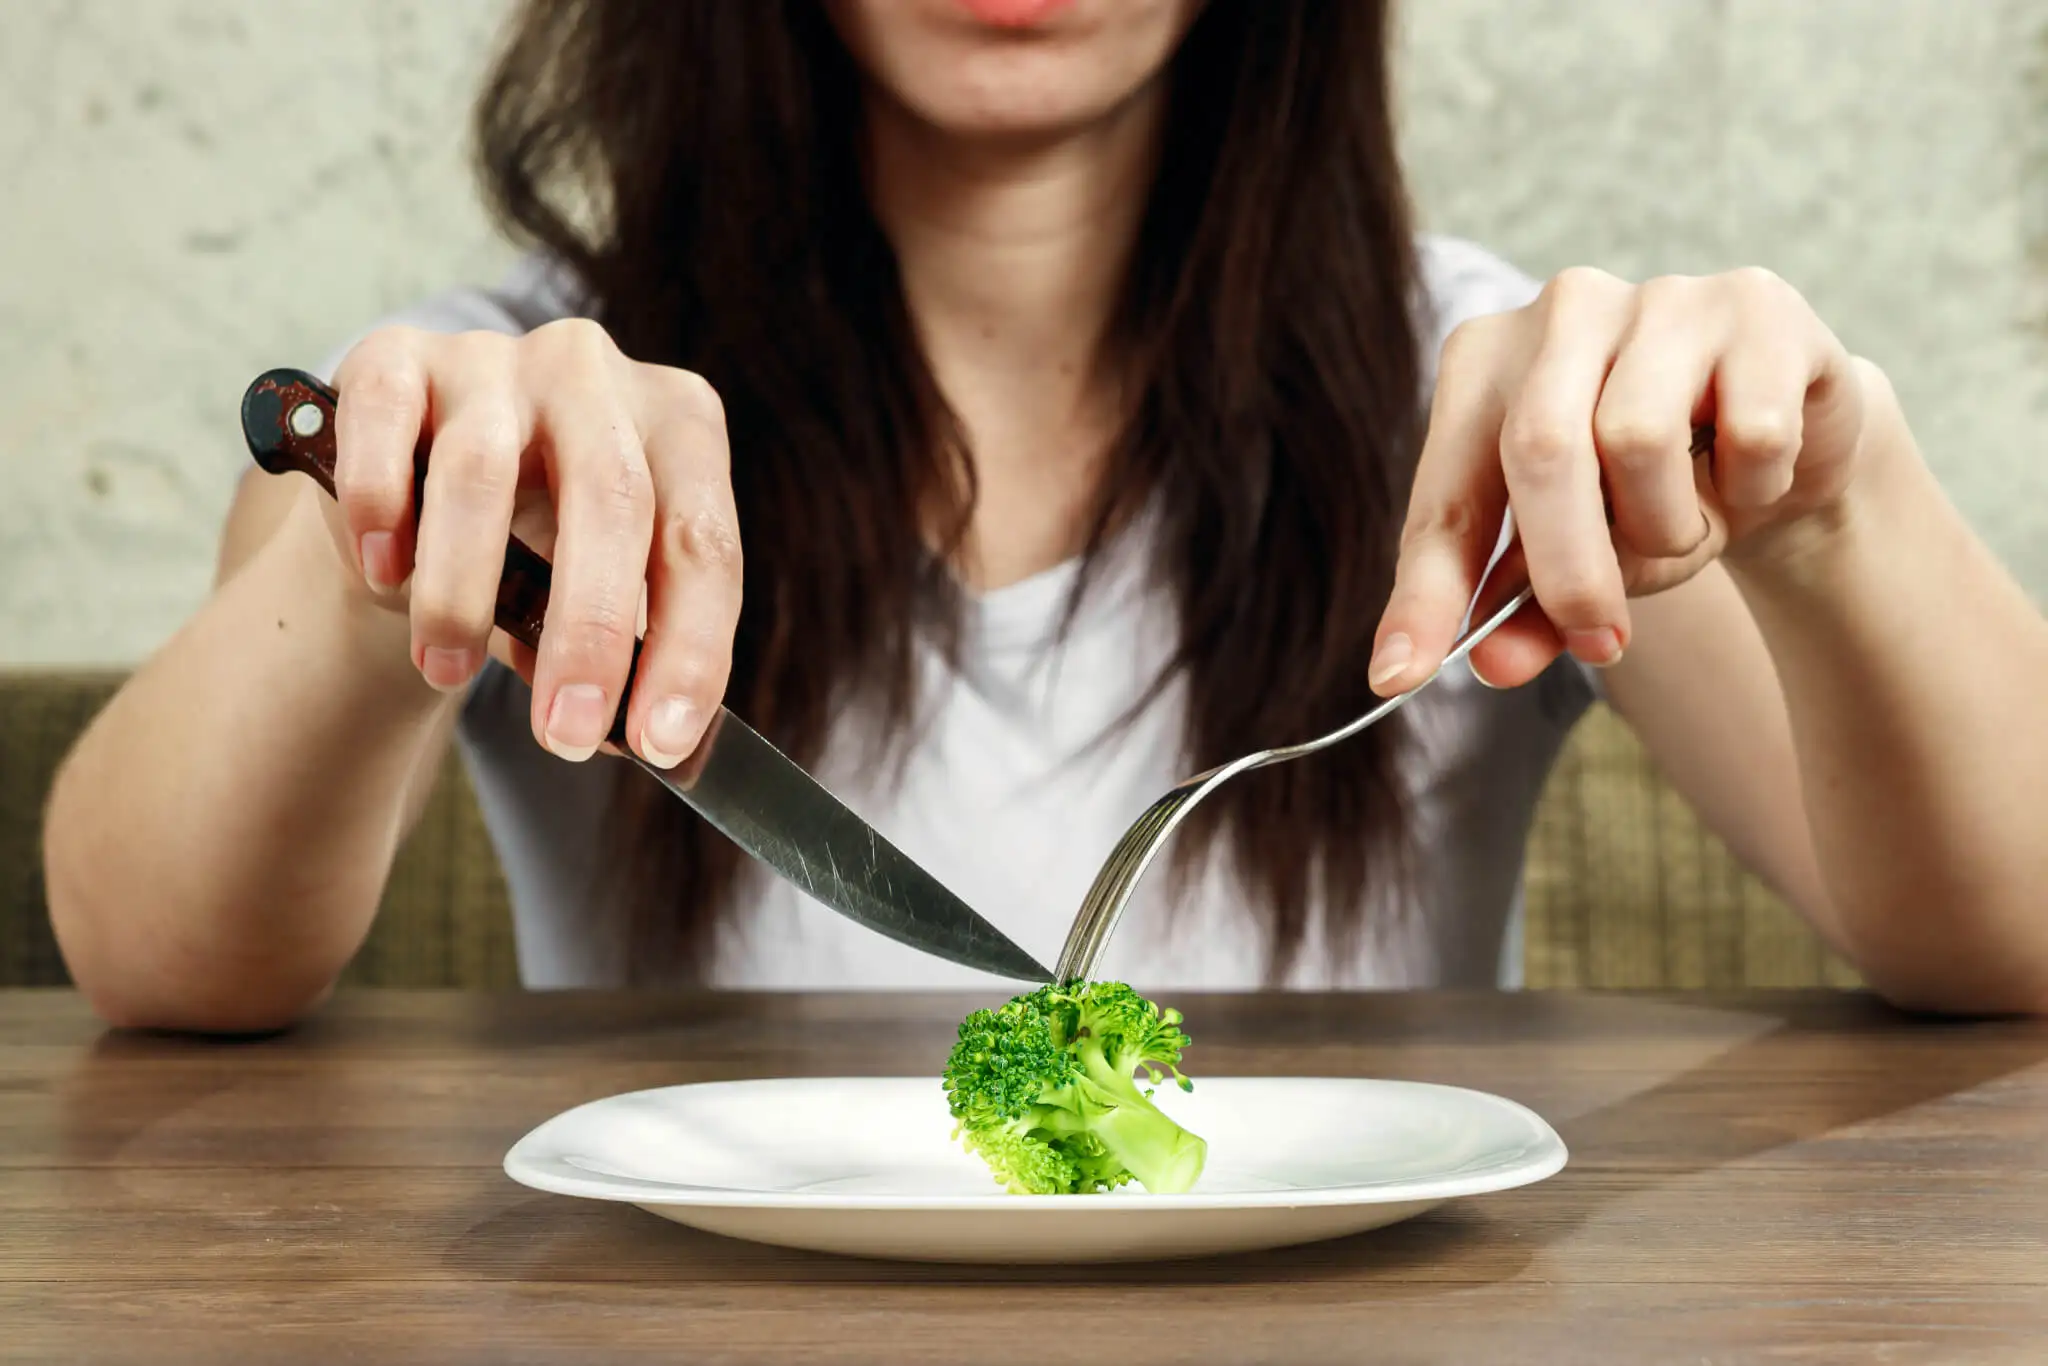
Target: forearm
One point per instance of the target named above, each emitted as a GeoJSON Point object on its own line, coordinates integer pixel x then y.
{"type": "Point", "coordinates": [217, 844]}
{"type": "Point", "coordinates": [1912, 667]}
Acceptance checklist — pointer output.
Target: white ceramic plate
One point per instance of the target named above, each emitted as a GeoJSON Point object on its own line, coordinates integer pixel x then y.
{"type": "Point", "coordinates": [867, 1167]}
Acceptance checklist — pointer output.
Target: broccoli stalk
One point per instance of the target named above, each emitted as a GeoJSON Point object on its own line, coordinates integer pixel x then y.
{"type": "Point", "coordinates": [1043, 1089]}
{"type": "Point", "coordinates": [1164, 1157]}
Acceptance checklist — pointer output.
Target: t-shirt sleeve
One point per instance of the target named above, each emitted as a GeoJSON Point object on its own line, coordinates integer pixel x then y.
{"type": "Point", "coordinates": [1461, 281]}
{"type": "Point", "coordinates": [536, 291]}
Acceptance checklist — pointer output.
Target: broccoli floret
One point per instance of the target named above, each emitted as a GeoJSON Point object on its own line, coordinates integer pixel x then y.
{"type": "Point", "coordinates": [1044, 1090]}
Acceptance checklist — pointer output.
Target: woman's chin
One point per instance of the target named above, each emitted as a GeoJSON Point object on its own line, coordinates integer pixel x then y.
{"type": "Point", "coordinates": [1014, 70]}
{"type": "Point", "coordinates": [1015, 115]}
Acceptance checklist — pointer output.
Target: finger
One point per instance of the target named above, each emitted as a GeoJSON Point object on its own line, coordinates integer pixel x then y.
{"type": "Point", "coordinates": [1455, 510]}
{"type": "Point", "coordinates": [1760, 399]}
{"type": "Point", "coordinates": [482, 430]}
{"type": "Point", "coordinates": [1646, 577]}
{"type": "Point", "coordinates": [1642, 427]}
{"type": "Point", "coordinates": [380, 412]}
{"type": "Point", "coordinates": [519, 659]}
{"type": "Point", "coordinates": [1523, 645]}
{"type": "Point", "coordinates": [604, 510]}
{"type": "Point", "coordinates": [1553, 472]}
{"type": "Point", "coordinates": [693, 570]}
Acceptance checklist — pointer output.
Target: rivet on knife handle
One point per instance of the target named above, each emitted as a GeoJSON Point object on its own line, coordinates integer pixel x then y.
{"type": "Point", "coordinates": [288, 421]}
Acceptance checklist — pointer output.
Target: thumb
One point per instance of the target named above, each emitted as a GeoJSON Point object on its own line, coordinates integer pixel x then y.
{"type": "Point", "coordinates": [1442, 558]}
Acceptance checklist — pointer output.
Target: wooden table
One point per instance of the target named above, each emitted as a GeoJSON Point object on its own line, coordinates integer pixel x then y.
{"type": "Point", "coordinates": [1752, 1179]}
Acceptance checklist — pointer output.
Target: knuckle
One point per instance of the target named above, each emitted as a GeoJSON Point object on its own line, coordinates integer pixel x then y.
{"type": "Point", "coordinates": [478, 453]}
{"type": "Point", "coordinates": [1663, 532]}
{"type": "Point", "coordinates": [478, 350]}
{"type": "Point", "coordinates": [562, 337]}
{"type": "Point", "coordinates": [694, 396]}
{"type": "Point", "coordinates": [368, 504]}
{"type": "Point", "coordinates": [1632, 441]}
{"type": "Point", "coordinates": [1669, 291]}
{"type": "Point", "coordinates": [607, 473]}
{"type": "Point", "coordinates": [381, 345]}
{"type": "Point", "coordinates": [360, 477]}
{"type": "Point", "coordinates": [1539, 444]}
{"type": "Point", "coordinates": [700, 670]}
{"type": "Point", "coordinates": [592, 634]}
{"type": "Point", "coordinates": [1759, 433]}
{"type": "Point", "coordinates": [703, 537]}
{"type": "Point", "coordinates": [1582, 284]}
{"type": "Point", "coordinates": [446, 607]}
{"type": "Point", "coordinates": [1447, 520]}
{"type": "Point", "coordinates": [1577, 595]}
{"type": "Point", "coordinates": [1760, 281]}
{"type": "Point", "coordinates": [383, 376]}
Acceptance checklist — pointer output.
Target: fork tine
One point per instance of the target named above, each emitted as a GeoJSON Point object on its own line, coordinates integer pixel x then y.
{"type": "Point", "coordinates": [1111, 891]}
{"type": "Point", "coordinates": [1133, 854]}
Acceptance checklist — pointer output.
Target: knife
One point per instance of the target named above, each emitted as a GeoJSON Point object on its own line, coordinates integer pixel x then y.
{"type": "Point", "coordinates": [747, 789]}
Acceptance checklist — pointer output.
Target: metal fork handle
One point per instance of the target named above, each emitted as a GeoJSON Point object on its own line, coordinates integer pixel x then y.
{"type": "Point", "coordinates": [1111, 891]}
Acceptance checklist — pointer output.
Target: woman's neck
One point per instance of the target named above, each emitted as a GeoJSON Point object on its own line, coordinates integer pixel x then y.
{"type": "Point", "coordinates": [1013, 258]}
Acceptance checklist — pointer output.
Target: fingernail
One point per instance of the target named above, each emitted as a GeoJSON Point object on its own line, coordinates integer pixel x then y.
{"type": "Point", "coordinates": [671, 732]}
{"type": "Point", "coordinates": [447, 669]}
{"type": "Point", "coordinates": [576, 721]}
{"type": "Point", "coordinates": [1484, 681]}
{"type": "Point", "coordinates": [1391, 659]}
{"type": "Point", "coordinates": [379, 553]}
{"type": "Point", "coordinates": [1599, 647]}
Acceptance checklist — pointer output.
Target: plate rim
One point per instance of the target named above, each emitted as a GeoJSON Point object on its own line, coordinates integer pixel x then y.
{"type": "Point", "coordinates": [526, 1164]}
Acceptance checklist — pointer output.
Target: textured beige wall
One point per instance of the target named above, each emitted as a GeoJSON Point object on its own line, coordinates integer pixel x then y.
{"type": "Point", "coordinates": [196, 190]}
{"type": "Point", "coordinates": [192, 190]}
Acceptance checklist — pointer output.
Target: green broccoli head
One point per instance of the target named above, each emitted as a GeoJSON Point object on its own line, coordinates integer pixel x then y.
{"type": "Point", "coordinates": [1043, 1089]}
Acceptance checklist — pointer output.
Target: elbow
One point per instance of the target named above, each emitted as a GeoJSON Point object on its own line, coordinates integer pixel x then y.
{"type": "Point", "coordinates": [1971, 948]}
{"type": "Point", "coordinates": [130, 980]}
{"type": "Point", "coordinates": [1977, 987]}
{"type": "Point", "coordinates": [131, 996]}
{"type": "Point", "coordinates": [136, 987]}
{"type": "Point", "coordinates": [2026, 1002]}
{"type": "Point", "coordinates": [197, 1016]}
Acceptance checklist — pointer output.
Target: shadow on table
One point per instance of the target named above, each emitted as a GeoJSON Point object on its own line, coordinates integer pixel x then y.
{"type": "Point", "coordinates": [1767, 1079]}
{"type": "Point", "coordinates": [547, 1239]}
{"type": "Point", "coordinates": [1807, 1074]}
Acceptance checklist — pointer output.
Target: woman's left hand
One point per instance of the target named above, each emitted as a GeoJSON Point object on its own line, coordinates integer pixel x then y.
{"type": "Point", "coordinates": [1578, 412]}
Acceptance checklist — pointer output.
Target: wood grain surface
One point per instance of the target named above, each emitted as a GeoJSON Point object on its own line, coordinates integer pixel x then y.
{"type": "Point", "coordinates": [1790, 1177]}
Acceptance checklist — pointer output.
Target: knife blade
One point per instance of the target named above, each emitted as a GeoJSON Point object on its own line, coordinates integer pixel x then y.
{"type": "Point", "coordinates": [748, 790]}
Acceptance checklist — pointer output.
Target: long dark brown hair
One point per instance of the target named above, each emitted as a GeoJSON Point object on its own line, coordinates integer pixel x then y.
{"type": "Point", "coordinates": [697, 164]}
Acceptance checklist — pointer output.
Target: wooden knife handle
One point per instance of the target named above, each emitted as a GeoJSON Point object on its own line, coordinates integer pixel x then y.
{"type": "Point", "coordinates": [288, 421]}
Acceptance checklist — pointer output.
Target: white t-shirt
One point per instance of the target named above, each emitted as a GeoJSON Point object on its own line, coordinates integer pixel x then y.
{"type": "Point", "coordinates": [1008, 802]}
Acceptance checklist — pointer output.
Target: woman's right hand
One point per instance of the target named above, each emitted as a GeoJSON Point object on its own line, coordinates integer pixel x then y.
{"type": "Point", "coordinates": [617, 471]}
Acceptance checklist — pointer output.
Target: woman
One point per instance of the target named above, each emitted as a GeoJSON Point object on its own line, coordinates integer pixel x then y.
{"type": "Point", "coordinates": [1088, 412]}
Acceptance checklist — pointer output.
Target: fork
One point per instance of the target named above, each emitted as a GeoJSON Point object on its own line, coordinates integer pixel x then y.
{"type": "Point", "coordinates": [1111, 892]}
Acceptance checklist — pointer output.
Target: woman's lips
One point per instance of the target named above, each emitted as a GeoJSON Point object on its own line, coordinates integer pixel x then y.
{"type": "Point", "coordinates": [1013, 13]}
